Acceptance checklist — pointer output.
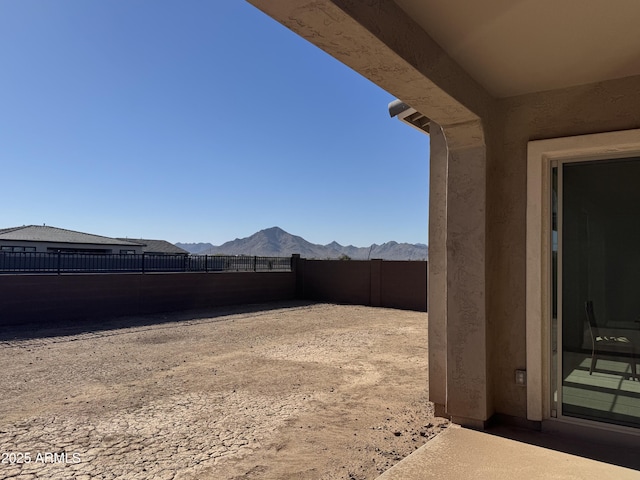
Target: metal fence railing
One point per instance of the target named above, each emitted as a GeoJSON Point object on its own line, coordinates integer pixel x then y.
{"type": "Point", "coordinates": [42, 262]}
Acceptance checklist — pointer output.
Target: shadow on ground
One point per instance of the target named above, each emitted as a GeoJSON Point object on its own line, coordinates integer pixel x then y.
{"type": "Point", "coordinates": [602, 448]}
{"type": "Point", "coordinates": [48, 329]}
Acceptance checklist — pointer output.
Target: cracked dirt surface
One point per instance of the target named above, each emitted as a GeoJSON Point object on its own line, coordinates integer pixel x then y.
{"type": "Point", "coordinates": [277, 391]}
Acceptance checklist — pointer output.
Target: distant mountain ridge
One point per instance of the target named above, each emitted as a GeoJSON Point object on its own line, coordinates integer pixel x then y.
{"type": "Point", "coordinates": [275, 242]}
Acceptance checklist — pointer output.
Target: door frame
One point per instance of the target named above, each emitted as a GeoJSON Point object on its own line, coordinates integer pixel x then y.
{"type": "Point", "coordinates": [540, 155]}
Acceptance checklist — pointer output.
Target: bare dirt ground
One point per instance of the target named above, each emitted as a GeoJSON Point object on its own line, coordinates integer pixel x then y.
{"type": "Point", "coordinates": [284, 391]}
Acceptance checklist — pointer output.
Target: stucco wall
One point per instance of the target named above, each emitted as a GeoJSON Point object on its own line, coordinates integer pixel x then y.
{"type": "Point", "coordinates": [601, 107]}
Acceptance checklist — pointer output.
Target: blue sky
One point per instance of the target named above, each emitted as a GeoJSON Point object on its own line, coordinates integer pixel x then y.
{"type": "Point", "coordinates": [196, 121]}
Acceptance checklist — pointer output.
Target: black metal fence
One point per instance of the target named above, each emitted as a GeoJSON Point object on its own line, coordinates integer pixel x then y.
{"type": "Point", "coordinates": [57, 263]}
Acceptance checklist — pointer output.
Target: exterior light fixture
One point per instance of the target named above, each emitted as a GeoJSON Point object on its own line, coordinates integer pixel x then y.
{"type": "Point", "coordinates": [409, 115]}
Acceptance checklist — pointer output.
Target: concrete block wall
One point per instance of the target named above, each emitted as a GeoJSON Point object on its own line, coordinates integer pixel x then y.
{"type": "Point", "coordinates": [74, 297]}
{"type": "Point", "coordinates": [61, 298]}
{"type": "Point", "coordinates": [377, 283]}
{"type": "Point", "coordinates": [403, 285]}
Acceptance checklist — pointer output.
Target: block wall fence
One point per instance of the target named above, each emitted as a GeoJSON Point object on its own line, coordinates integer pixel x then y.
{"type": "Point", "coordinates": [376, 283]}
{"type": "Point", "coordinates": [74, 297]}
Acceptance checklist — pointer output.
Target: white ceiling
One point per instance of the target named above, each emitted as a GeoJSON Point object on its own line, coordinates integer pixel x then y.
{"type": "Point", "coordinates": [513, 47]}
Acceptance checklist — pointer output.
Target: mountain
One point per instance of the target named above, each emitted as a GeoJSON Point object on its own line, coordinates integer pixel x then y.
{"type": "Point", "coordinates": [275, 242]}
{"type": "Point", "coordinates": [196, 248]}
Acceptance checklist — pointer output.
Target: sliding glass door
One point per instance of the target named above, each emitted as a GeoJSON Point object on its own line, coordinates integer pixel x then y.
{"type": "Point", "coordinates": [595, 300]}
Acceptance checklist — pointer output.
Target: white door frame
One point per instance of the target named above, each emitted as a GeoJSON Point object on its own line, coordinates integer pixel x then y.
{"type": "Point", "coordinates": [540, 154]}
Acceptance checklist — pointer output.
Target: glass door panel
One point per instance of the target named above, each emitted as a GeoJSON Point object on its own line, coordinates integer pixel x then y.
{"type": "Point", "coordinates": [598, 294]}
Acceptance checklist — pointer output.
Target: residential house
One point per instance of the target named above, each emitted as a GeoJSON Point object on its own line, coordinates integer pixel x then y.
{"type": "Point", "coordinates": [533, 113]}
{"type": "Point", "coordinates": [47, 239]}
{"type": "Point", "coordinates": [157, 247]}
{"type": "Point", "coordinates": [44, 238]}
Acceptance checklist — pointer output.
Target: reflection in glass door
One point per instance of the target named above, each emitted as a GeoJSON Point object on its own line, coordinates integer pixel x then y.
{"type": "Point", "coordinates": [596, 278]}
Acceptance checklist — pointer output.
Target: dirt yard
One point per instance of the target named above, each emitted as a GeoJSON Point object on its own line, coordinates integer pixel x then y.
{"type": "Point", "coordinates": [284, 391]}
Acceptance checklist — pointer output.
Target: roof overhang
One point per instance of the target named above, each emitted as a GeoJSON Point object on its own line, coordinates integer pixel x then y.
{"type": "Point", "coordinates": [451, 61]}
{"type": "Point", "coordinates": [526, 46]}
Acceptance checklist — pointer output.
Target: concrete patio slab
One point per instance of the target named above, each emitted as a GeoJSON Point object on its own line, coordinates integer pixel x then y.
{"type": "Point", "coordinates": [460, 453]}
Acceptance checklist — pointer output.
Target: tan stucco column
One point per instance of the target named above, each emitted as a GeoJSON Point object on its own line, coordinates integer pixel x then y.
{"type": "Point", "coordinates": [459, 274]}
{"type": "Point", "coordinates": [437, 275]}
{"type": "Point", "coordinates": [381, 42]}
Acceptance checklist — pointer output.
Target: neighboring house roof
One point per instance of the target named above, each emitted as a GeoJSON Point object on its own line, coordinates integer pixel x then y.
{"type": "Point", "coordinates": [42, 233]}
{"type": "Point", "coordinates": [157, 246]}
